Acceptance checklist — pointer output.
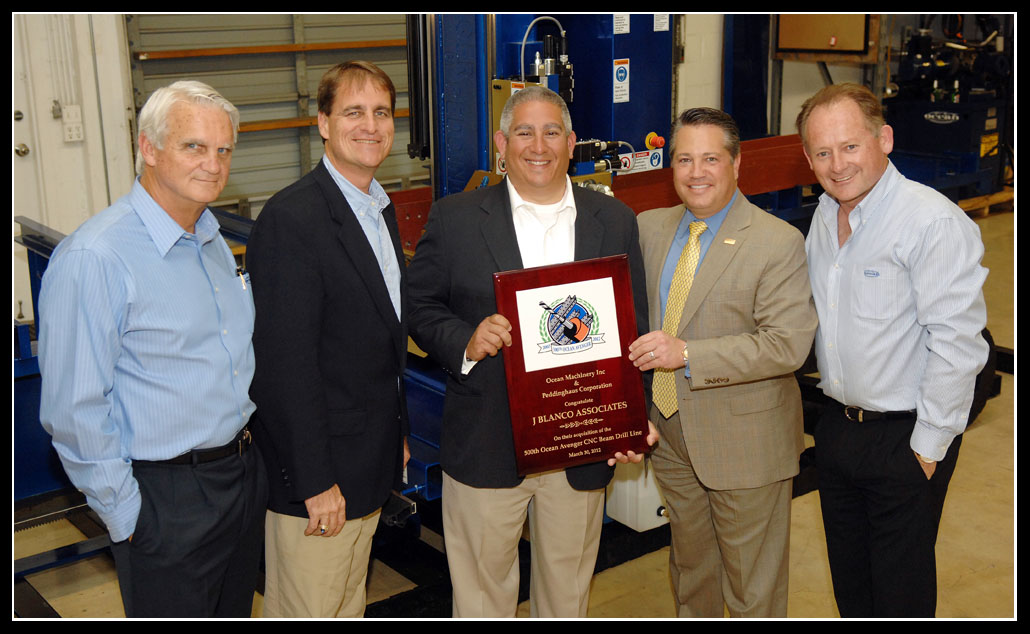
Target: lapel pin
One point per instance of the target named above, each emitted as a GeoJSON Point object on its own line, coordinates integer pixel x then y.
{"type": "Point", "coordinates": [729, 241]}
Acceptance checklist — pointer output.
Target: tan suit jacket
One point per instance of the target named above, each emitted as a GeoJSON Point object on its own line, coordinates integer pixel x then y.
{"type": "Point", "coordinates": [748, 321]}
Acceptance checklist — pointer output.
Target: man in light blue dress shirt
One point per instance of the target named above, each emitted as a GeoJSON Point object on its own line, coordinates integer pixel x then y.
{"type": "Point", "coordinates": [146, 358]}
{"type": "Point", "coordinates": [897, 281]}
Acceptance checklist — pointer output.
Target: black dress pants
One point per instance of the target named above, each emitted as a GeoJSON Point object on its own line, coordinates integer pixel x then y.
{"type": "Point", "coordinates": [198, 541]}
{"type": "Point", "coordinates": [880, 514]}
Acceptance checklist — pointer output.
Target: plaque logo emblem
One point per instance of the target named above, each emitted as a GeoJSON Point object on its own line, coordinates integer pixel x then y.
{"type": "Point", "coordinates": [941, 117]}
{"type": "Point", "coordinates": [570, 326]}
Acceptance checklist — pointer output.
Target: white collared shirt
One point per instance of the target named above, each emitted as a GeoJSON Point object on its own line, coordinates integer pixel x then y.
{"type": "Point", "coordinates": [900, 307]}
{"type": "Point", "coordinates": [546, 234]}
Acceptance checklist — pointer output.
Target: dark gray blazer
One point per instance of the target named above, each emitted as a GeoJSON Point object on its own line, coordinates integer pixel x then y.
{"type": "Point", "coordinates": [329, 351]}
{"type": "Point", "coordinates": [470, 236]}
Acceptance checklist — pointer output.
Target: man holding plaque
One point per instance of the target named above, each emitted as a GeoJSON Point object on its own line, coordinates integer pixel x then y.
{"type": "Point", "coordinates": [732, 319]}
{"type": "Point", "coordinates": [534, 218]}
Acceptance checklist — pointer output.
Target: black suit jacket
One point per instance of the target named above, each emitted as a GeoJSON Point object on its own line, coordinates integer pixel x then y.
{"type": "Point", "coordinates": [469, 237]}
{"type": "Point", "coordinates": [329, 351]}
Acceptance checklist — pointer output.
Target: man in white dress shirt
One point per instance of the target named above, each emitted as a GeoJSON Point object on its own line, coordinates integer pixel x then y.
{"type": "Point", "coordinates": [897, 282]}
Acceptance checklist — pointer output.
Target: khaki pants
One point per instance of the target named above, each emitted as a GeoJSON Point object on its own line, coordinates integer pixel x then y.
{"type": "Point", "coordinates": [727, 547]}
{"type": "Point", "coordinates": [314, 576]}
{"type": "Point", "coordinates": [482, 528]}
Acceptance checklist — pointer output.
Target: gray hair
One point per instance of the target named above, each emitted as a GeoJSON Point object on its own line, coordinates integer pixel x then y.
{"type": "Point", "coordinates": [153, 117]}
{"type": "Point", "coordinates": [534, 93]}
{"type": "Point", "coordinates": [708, 116]}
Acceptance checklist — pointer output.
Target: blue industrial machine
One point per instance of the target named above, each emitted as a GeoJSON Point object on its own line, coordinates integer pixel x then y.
{"type": "Point", "coordinates": [37, 470]}
{"type": "Point", "coordinates": [613, 71]}
{"type": "Point", "coordinates": [951, 115]}
{"type": "Point", "coordinates": [951, 147]}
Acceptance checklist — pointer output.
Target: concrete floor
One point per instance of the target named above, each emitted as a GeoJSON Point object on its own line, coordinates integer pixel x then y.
{"type": "Point", "coordinates": [975, 550]}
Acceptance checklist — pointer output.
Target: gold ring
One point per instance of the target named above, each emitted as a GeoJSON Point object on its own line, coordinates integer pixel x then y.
{"type": "Point", "coordinates": [322, 528]}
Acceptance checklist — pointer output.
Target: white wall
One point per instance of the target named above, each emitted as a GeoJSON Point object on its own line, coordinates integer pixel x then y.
{"type": "Point", "coordinates": [801, 80]}
{"type": "Point", "coordinates": [74, 60]}
{"type": "Point", "coordinates": [699, 77]}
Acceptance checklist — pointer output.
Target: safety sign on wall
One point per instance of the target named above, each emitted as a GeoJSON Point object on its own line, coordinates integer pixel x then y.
{"type": "Point", "coordinates": [620, 80]}
{"type": "Point", "coordinates": [640, 161]}
{"type": "Point", "coordinates": [620, 23]}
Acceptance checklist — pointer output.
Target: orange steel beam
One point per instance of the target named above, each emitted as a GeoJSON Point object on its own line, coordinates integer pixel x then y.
{"type": "Point", "coordinates": [766, 165]}
{"type": "Point", "coordinates": [297, 122]}
{"type": "Point", "coordinates": [272, 48]}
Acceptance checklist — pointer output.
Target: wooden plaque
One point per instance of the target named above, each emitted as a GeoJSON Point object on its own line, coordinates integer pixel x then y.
{"type": "Point", "coordinates": [574, 395]}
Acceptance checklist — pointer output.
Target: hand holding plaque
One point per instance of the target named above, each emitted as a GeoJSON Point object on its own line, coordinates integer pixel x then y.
{"type": "Point", "coordinates": [490, 336]}
{"type": "Point", "coordinates": [657, 349]}
{"type": "Point", "coordinates": [631, 456]}
{"type": "Point", "coordinates": [573, 393]}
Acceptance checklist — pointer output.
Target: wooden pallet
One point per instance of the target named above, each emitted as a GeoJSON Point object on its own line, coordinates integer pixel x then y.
{"type": "Point", "coordinates": [980, 206]}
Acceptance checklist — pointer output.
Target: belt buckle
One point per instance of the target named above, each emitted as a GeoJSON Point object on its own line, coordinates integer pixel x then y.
{"type": "Point", "coordinates": [847, 413]}
{"type": "Point", "coordinates": [243, 442]}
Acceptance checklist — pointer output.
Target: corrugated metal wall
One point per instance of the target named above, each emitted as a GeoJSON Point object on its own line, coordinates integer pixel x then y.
{"type": "Point", "coordinates": [270, 84]}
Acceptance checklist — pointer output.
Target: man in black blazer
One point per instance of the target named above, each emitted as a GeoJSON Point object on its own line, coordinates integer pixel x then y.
{"type": "Point", "coordinates": [535, 217]}
{"type": "Point", "coordinates": [330, 342]}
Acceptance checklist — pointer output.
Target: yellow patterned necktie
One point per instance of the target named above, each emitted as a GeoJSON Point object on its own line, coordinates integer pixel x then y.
{"type": "Point", "coordinates": [679, 288]}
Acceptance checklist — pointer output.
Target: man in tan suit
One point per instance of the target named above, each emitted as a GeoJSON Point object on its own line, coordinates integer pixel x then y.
{"type": "Point", "coordinates": [731, 318]}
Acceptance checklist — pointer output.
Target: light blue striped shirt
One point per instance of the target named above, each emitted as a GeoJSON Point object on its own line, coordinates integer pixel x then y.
{"type": "Point", "coordinates": [368, 208]}
{"type": "Point", "coordinates": [900, 307]}
{"type": "Point", "coordinates": [144, 348]}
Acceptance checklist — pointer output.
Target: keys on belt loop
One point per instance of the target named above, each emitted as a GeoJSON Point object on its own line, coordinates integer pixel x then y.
{"type": "Point", "coordinates": [244, 441]}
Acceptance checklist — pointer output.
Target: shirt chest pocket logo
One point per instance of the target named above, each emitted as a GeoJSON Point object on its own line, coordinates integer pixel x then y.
{"type": "Point", "coordinates": [875, 294]}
